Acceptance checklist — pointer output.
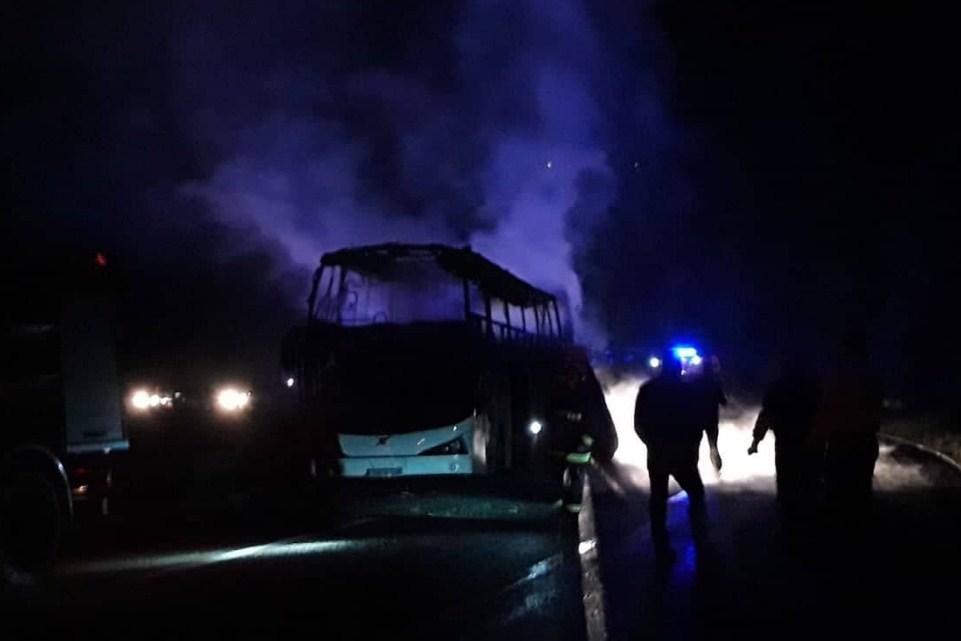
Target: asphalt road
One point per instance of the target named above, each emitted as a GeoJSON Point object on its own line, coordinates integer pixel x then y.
{"type": "Point", "coordinates": [469, 559]}
{"type": "Point", "coordinates": [893, 572]}
{"type": "Point", "coordinates": [472, 559]}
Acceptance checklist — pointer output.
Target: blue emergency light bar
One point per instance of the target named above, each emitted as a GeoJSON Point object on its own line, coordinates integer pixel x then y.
{"type": "Point", "coordinates": [684, 352]}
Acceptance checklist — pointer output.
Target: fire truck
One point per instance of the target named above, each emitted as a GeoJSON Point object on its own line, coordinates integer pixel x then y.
{"type": "Point", "coordinates": [61, 425]}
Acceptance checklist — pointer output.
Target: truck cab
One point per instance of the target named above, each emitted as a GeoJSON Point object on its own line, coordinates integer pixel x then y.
{"type": "Point", "coordinates": [62, 427]}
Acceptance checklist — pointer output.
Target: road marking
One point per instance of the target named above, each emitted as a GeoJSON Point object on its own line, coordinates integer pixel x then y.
{"type": "Point", "coordinates": [592, 588]}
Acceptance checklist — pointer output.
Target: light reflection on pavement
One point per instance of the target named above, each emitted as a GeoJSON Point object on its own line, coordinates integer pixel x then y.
{"type": "Point", "coordinates": [760, 578]}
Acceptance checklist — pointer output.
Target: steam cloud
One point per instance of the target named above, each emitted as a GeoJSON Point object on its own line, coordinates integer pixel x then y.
{"type": "Point", "coordinates": [216, 149]}
{"type": "Point", "coordinates": [490, 131]}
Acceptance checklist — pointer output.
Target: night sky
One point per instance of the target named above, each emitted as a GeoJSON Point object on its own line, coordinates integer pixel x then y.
{"type": "Point", "coordinates": [749, 174]}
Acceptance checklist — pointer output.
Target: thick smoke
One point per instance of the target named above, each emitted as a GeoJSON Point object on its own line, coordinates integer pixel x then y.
{"type": "Point", "coordinates": [481, 126]}
{"type": "Point", "coordinates": [214, 150]}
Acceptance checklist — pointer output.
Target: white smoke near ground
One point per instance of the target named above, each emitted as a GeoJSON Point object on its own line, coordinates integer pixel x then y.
{"type": "Point", "coordinates": [735, 435]}
{"type": "Point", "coordinates": [891, 474]}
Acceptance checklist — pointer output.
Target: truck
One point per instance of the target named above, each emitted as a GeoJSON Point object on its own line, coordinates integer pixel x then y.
{"type": "Point", "coordinates": [62, 422]}
{"type": "Point", "coordinates": [431, 360]}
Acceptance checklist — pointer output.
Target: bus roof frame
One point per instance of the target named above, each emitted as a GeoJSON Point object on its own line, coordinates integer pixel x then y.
{"type": "Point", "coordinates": [463, 263]}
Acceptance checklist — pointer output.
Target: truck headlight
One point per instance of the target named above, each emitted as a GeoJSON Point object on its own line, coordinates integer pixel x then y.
{"type": "Point", "coordinates": [143, 400]}
{"type": "Point", "coordinates": [232, 400]}
{"type": "Point", "coordinates": [140, 400]}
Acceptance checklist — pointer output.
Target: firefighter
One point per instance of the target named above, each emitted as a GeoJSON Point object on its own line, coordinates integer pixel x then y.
{"type": "Point", "coordinates": [848, 420]}
{"type": "Point", "coordinates": [711, 397]}
{"type": "Point", "coordinates": [788, 410]}
{"type": "Point", "coordinates": [572, 431]}
{"type": "Point", "coordinates": [576, 462]}
{"type": "Point", "coordinates": [670, 415]}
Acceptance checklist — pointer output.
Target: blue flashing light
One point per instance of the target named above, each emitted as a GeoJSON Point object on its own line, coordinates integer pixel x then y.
{"type": "Point", "coordinates": [684, 352]}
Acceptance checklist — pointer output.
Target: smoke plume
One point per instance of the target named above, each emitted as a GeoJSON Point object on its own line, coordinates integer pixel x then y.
{"type": "Point", "coordinates": [484, 125]}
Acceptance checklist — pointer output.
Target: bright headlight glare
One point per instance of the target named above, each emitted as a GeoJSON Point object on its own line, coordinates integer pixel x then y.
{"type": "Point", "coordinates": [230, 399]}
{"type": "Point", "coordinates": [535, 427]}
{"type": "Point", "coordinates": [140, 400]}
{"type": "Point", "coordinates": [143, 400]}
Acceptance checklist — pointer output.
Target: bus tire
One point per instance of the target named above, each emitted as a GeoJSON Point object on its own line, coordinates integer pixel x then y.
{"type": "Point", "coordinates": [31, 521]}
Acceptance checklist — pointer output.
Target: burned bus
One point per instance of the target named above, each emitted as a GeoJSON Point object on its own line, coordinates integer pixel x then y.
{"type": "Point", "coordinates": [62, 425]}
{"type": "Point", "coordinates": [432, 360]}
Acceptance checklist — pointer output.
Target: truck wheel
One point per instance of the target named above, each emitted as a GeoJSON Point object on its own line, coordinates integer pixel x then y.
{"type": "Point", "coordinates": [30, 522]}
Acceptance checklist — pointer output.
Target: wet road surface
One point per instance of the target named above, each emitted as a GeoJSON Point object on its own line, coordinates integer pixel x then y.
{"type": "Point", "coordinates": [474, 560]}
{"type": "Point", "coordinates": [405, 561]}
{"type": "Point", "coordinates": [759, 578]}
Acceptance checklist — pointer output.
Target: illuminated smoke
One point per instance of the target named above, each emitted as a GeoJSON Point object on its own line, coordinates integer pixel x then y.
{"type": "Point", "coordinates": [735, 435]}
{"type": "Point", "coordinates": [631, 452]}
{"type": "Point", "coordinates": [891, 474]}
{"type": "Point", "coordinates": [737, 423]}
{"type": "Point", "coordinates": [511, 155]}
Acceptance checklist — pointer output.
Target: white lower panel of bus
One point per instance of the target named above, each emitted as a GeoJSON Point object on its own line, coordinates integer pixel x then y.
{"type": "Point", "coordinates": [442, 450]}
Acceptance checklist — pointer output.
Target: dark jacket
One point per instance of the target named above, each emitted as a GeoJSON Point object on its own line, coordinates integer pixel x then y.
{"type": "Point", "coordinates": [670, 414]}
{"type": "Point", "coordinates": [789, 408]}
{"type": "Point", "coordinates": [850, 404]}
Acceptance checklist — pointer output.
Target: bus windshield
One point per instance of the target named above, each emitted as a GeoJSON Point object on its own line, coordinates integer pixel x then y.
{"type": "Point", "coordinates": [403, 292]}
{"type": "Point", "coordinates": [401, 392]}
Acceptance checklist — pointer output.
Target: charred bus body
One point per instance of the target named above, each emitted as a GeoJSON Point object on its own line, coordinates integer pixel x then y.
{"type": "Point", "coordinates": [62, 426]}
{"type": "Point", "coordinates": [432, 360]}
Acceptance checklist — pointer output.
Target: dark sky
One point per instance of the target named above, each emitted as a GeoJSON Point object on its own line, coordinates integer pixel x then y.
{"type": "Point", "coordinates": [752, 174]}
